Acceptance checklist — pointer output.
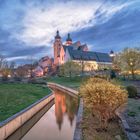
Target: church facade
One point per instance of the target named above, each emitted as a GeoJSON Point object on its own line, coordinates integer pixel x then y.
{"type": "Point", "coordinates": [79, 53]}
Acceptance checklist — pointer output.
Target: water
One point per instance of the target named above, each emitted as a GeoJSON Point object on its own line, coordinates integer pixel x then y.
{"type": "Point", "coordinates": [58, 123]}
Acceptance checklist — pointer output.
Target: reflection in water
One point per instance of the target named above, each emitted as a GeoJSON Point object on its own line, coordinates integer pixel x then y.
{"type": "Point", "coordinates": [58, 123]}
{"type": "Point", "coordinates": [64, 104]}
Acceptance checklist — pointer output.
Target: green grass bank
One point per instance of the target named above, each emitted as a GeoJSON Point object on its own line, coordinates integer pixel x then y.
{"type": "Point", "coordinates": [15, 97]}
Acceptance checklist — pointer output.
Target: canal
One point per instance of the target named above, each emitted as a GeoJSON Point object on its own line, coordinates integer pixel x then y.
{"type": "Point", "coordinates": [56, 121]}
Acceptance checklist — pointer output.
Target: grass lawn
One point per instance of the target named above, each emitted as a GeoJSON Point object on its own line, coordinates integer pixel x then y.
{"type": "Point", "coordinates": [15, 97]}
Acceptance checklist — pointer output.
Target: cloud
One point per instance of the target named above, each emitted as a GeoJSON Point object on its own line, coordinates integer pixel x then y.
{"type": "Point", "coordinates": [40, 23]}
{"type": "Point", "coordinates": [117, 33]}
{"type": "Point", "coordinates": [28, 27]}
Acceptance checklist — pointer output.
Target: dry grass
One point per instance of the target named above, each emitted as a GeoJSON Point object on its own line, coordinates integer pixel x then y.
{"type": "Point", "coordinates": [90, 126]}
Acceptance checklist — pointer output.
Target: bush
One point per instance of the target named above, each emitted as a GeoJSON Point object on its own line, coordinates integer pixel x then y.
{"type": "Point", "coordinates": [34, 81]}
{"type": "Point", "coordinates": [131, 114]}
{"type": "Point", "coordinates": [112, 74]}
{"type": "Point", "coordinates": [17, 78]}
{"type": "Point", "coordinates": [4, 78]}
{"type": "Point", "coordinates": [132, 91]}
{"type": "Point", "coordinates": [103, 98]}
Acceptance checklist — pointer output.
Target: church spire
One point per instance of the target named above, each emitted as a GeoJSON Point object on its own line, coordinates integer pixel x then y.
{"type": "Point", "coordinates": [57, 47]}
{"type": "Point", "coordinates": [68, 40]}
{"type": "Point", "coordinates": [57, 35]}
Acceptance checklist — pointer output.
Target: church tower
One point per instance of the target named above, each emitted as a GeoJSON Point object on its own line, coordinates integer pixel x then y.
{"type": "Point", "coordinates": [68, 40]}
{"type": "Point", "coordinates": [57, 46]}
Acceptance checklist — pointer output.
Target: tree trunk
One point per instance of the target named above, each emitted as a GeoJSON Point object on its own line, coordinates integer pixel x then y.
{"type": "Point", "coordinates": [132, 72]}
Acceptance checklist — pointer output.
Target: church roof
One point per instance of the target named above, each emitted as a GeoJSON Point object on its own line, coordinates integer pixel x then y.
{"type": "Point", "coordinates": [88, 55]}
{"type": "Point", "coordinates": [76, 44]}
{"type": "Point", "coordinates": [74, 47]}
{"type": "Point", "coordinates": [82, 47]}
{"type": "Point", "coordinates": [111, 52]}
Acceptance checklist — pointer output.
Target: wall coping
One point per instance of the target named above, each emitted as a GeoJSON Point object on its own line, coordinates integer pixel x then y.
{"type": "Point", "coordinates": [23, 111]}
{"type": "Point", "coordinates": [57, 86]}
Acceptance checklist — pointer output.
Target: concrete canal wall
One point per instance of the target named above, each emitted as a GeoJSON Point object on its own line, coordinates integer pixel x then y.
{"type": "Point", "coordinates": [62, 88]}
{"type": "Point", "coordinates": [10, 125]}
{"type": "Point", "coordinates": [78, 128]}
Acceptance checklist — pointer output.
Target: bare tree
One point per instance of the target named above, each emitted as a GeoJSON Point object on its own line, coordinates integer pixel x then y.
{"type": "Point", "coordinates": [2, 61]}
{"type": "Point", "coordinates": [5, 70]}
{"type": "Point", "coordinates": [12, 67]}
{"type": "Point", "coordinates": [33, 64]}
{"type": "Point", "coordinates": [128, 60]}
{"type": "Point", "coordinates": [21, 72]}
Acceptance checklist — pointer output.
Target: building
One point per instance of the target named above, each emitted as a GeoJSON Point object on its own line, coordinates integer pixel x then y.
{"type": "Point", "coordinates": [45, 65]}
{"type": "Point", "coordinates": [79, 53]}
{"type": "Point", "coordinates": [38, 71]}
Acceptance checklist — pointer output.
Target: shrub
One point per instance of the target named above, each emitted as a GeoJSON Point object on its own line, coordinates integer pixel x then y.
{"type": "Point", "coordinates": [132, 91]}
{"type": "Point", "coordinates": [17, 78]}
{"type": "Point", "coordinates": [131, 114]}
{"type": "Point", "coordinates": [112, 74]}
{"type": "Point", "coordinates": [103, 98]}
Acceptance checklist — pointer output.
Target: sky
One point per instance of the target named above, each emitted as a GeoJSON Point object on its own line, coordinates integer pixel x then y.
{"type": "Point", "coordinates": [28, 27]}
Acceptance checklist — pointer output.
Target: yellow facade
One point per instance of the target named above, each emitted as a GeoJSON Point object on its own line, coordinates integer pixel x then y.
{"type": "Point", "coordinates": [93, 65]}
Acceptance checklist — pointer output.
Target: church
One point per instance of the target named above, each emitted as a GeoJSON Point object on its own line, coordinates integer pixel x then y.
{"type": "Point", "coordinates": [79, 53]}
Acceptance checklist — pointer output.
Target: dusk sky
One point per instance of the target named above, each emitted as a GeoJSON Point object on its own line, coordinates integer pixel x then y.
{"type": "Point", "coordinates": [28, 27]}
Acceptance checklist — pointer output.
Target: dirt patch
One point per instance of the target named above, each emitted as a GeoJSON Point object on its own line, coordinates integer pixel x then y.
{"type": "Point", "coordinates": [90, 127]}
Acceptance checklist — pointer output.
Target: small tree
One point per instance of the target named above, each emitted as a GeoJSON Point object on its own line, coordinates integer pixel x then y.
{"type": "Point", "coordinates": [70, 69]}
{"type": "Point", "coordinates": [2, 61]}
{"type": "Point", "coordinates": [12, 67]}
{"type": "Point", "coordinates": [103, 98]}
{"type": "Point", "coordinates": [128, 60]}
{"type": "Point", "coordinates": [112, 74]}
{"type": "Point", "coordinates": [32, 65]}
{"type": "Point", "coordinates": [20, 73]}
{"type": "Point", "coordinates": [61, 70]}
{"type": "Point", "coordinates": [6, 71]}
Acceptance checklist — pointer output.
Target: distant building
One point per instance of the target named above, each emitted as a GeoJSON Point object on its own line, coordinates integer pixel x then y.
{"type": "Point", "coordinates": [38, 71]}
{"type": "Point", "coordinates": [78, 52]}
{"type": "Point", "coordinates": [45, 65]}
